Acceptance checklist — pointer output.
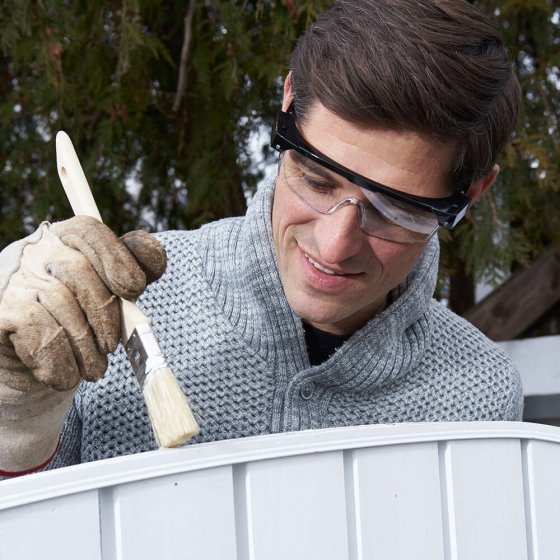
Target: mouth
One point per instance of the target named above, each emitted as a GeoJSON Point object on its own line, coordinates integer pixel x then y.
{"type": "Point", "coordinates": [322, 268]}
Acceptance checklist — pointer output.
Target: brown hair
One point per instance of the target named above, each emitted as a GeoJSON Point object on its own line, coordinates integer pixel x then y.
{"type": "Point", "coordinates": [437, 67]}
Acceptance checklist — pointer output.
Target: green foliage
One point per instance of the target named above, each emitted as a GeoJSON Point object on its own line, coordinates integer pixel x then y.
{"type": "Point", "coordinates": [106, 72]}
{"type": "Point", "coordinates": [520, 215]}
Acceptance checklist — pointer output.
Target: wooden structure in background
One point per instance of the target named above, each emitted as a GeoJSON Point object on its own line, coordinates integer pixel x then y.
{"type": "Point", "coordinates": [519, 302]}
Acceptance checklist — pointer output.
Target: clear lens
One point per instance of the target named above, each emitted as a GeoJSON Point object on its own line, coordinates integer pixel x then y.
{"type": "Point", "coordinates": [380, 215]}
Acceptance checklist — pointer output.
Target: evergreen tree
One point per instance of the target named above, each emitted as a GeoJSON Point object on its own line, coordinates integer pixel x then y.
{"type": "Point", "coordinates": [166, 97]}
{"type": "Point", "coordinates": [162, 96]}
{"type": "Point", "coordinates": [520, 215]}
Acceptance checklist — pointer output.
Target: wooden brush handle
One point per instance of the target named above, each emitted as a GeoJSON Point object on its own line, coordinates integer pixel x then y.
{"type": "Point", "coordinates": [73, 178]}
{"type": "Point", "coordinates": [172, 420]}
{"type": "Point", "coordinates": [82, 202]}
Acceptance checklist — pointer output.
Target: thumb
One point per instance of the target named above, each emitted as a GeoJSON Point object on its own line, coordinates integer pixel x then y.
{"type": "Point", "coordinates": [148, 252]}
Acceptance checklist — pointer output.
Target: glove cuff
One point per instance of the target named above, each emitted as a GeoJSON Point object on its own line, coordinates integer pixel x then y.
{"type": "Point", "coordinates": [30, 425]}
{"type": "Point", "coordinates": [11, 474]}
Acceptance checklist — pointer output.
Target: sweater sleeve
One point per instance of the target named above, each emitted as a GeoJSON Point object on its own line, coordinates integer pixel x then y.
{"type": "Point", "coordinates": [514, 409]}
{"type": "Point", "coordinates": [70, 440]}
{"type": "Point", "coordinates": [475, 378]}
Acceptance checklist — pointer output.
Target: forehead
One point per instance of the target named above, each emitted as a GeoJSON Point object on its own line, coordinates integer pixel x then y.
{"type": "Point", "coordinates": [404, 160]}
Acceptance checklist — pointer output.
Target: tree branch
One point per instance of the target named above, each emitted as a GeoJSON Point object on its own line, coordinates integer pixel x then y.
{"type": "Point", "coordinates": [182, 83]}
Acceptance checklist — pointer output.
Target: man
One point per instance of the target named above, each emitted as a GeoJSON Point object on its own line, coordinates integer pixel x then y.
{"type": "Point", "coordinates": [313, 310]}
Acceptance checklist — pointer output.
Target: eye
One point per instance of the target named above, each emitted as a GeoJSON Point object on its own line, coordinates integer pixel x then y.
{"type": "Point", "coordinates": [400, 214]}
{"type": "Point", "coordinates": [317, 184]}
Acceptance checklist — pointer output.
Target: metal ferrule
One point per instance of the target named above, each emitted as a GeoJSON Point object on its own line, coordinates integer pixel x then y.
{"type": "Point", "coordinates": [144, 352]}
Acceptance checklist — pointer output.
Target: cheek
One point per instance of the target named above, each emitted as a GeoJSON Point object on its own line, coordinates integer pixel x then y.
{"type": "Point", "coordinates": [396, 259]}
{"type": "Point", "coordinates": [286, 213]}
{"type": "Point", "coordinates": [280, 225]}
{"type": "Point", "coordinates": [279, 213]}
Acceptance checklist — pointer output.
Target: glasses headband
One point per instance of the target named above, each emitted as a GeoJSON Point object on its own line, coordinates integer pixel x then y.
{"type": "Point", "coordinates": [286, 136]}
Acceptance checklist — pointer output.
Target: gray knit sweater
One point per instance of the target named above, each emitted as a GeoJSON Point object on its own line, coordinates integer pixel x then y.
{"type": "Point", "coordinates": [239, 352]}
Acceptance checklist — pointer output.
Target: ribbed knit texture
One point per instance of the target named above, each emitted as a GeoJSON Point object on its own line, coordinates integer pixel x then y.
{"type": "Point", "coordinates": [239, 352]}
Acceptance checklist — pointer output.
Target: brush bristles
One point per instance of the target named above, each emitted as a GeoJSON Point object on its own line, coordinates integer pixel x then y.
{"type": "Point", "coordinates": [172, 420]}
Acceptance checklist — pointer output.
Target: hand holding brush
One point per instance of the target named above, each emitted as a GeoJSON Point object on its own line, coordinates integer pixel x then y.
{"type": "Point", "coordinates": [172, 420]}
{"type": "Point", "coordinates": [60, 318]}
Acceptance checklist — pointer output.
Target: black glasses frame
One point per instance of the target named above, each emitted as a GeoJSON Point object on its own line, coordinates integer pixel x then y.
{"type": "Point", "coordinates": [286, 136]}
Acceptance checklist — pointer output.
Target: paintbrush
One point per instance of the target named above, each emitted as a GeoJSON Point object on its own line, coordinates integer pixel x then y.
{"type": "Point", "coordinates": [170, 414]}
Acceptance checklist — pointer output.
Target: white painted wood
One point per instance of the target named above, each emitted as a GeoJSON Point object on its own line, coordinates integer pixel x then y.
{"type": "Point", "coordinates": [458, 491]}
{"type": "Point", "coordinates": [296, 508]}
{"type": "Point", "coordinates": [538, 362]}
{"type": "Point", "coordinates": [63, 528]}
{"type": "Point", "coordinates": [485, 502]}
{"type": "Point", "coordinates": [398, 502]}
{"type": "Point", "coordinates": [153, 464]}
{"type": "Point", "coordinates": [542, 488]}
{"type": "Point", "coordinates": [187, 515]}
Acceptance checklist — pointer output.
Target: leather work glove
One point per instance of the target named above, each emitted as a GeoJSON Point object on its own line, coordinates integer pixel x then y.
{"type": "Point", "coordinates": [59, 318]}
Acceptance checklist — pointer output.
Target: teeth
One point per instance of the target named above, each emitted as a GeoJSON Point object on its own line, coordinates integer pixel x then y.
{"type": "Point", "coordinates": [319, 267]}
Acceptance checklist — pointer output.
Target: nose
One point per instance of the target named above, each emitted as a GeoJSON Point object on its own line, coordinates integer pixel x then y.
{"type": "Point", "coordinates": [338, 233]}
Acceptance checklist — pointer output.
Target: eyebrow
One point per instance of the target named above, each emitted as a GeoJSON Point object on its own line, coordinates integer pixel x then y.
{"type": "Point", "coordinates": [314, 167]}
{"type": "Point", "coordinates": [318, 169]}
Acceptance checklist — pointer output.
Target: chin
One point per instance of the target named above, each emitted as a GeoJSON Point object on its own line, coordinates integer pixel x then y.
{"type": "Point", "coordinates": [311, 313]}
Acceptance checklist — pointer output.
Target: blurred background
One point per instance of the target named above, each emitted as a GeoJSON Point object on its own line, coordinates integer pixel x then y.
{"type": "Point", "coordinates": [170, 105]}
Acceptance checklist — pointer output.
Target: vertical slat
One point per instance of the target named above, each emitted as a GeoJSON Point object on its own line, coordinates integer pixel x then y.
{"type": "Point", "coordinates": [398, 502]}
{"type": "Point", "coordinates": [240, 505]}
{"type": "Point", "coordinates": [542, 487]}
{"type": "Point", "coordinates": [485, 496]}
{"type": "Point", "coordinates": [354, 544]}
{"type": "Point", "coordinates": [64, 528]}
{"type": "Point", "coordinates": [296, 508]}
{"type": "Point", "coordinates": [188, 515]}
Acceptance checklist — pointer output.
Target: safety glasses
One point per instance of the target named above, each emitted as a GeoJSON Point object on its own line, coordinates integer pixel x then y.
{"type": "Point", "coordinates": [378, 216]}
{"type": "Point", "coordinates": [447, 211]}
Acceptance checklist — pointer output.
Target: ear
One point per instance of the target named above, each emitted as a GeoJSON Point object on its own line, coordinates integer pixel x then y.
{"type": "Point", "coordinates": [288, 92]}
{"type": "Point", "coordinates": [478, 187]}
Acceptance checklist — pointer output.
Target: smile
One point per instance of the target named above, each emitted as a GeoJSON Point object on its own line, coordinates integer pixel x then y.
{"type": "Point", "coordinates": [321, 268]}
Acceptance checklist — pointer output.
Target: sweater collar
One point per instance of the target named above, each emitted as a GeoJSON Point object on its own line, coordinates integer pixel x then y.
{"type": "Point", "coordinates": [387, 347]}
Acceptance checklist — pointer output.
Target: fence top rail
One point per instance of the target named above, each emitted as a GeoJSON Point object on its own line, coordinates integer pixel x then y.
{"type": "Point", "coordinates": [164, 462]}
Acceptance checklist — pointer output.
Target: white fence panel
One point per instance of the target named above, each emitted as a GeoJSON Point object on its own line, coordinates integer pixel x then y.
{"type": "Point", "coordinates": [185, 515]}
{"type": "Point", "coordinates": [396, 515]}
{"type": "Point", "coordinates": [542, 496]}
{"type": "Point", "coordinates": [456, 491]}
{"type": "Point", "coordinates": [61, 528]}
{"type": "Point", "coordinates": [485, 500]}
{"type": "Point", "coordinates": [296, 508]}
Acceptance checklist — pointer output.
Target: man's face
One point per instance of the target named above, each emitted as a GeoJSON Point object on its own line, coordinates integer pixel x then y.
{"type": "Point", "coordinates": [336, 277]}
